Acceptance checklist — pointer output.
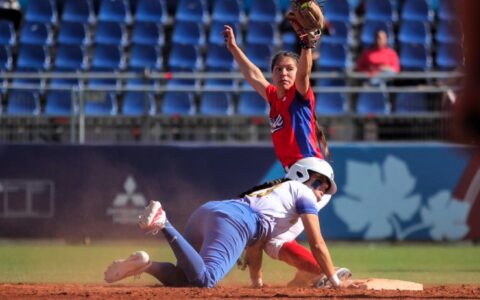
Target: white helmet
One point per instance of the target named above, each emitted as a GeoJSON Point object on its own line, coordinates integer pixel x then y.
{"type": "Point", "coordinates": [299, 171]}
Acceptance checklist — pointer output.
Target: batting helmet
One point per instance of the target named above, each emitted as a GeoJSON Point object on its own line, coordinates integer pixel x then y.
{"type": "Point", "coordinates": [299, 171]}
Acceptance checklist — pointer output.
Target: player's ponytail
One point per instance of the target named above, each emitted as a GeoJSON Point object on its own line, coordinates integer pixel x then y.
{"type": "Point", "coordinates": [262, 186]}
{"type": "Point", "coordinates": [322, 140]}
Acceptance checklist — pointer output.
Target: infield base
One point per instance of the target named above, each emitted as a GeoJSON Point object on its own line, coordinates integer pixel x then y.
{"type": "Point", "coordinates": [388, 284]}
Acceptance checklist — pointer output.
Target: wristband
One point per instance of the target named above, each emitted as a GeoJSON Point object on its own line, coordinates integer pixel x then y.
{"type": "Point", "coordinates": [335, 280]}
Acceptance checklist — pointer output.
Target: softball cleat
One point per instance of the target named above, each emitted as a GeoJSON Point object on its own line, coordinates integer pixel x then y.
{"type": "Point", "coordinates": [134, 265]}
{"type": "Point", "coordinates": [153, 218]}
{"type": "Point", "coordinates": [342, 273]}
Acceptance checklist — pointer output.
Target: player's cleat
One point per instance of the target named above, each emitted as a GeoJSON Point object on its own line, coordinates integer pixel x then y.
{"type": "Point", "coordinates": [342, 273]}
{"type": "Point", "coordinates": [153, 218]}
{"type": "Point", "coordinates": [134, 265]}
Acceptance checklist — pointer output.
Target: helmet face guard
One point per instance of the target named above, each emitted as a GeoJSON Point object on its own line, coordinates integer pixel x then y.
{"type": "Point", "coordinates": [299, 171]}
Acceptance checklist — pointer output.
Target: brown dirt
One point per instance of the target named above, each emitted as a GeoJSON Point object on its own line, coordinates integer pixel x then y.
{"type": "Point", "coordinates": [77, 291]}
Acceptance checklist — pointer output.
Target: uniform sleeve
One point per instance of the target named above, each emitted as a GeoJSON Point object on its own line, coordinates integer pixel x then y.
{"type": "Point", "coordinates": [306, 202]}
{"type": "Point", "coordinates": [271, 93]}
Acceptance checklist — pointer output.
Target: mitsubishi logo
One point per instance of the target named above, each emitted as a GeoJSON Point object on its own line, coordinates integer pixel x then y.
{"type": "Point", "coordinates": [137, 198]}
{"type": "Point", "coordinates": [120, 209]}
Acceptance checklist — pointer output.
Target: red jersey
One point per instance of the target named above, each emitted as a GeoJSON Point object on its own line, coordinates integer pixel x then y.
{"type": "Point", "coordinates": [292, 124]}
{"type": "Point", "coordinates": [372, 60]}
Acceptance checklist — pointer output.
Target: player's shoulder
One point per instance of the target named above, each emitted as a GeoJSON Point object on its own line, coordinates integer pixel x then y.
{"type": "Point", "coordinates": [297, 186]}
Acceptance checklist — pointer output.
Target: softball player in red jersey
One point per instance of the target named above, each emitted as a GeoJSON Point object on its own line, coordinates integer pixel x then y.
{"type": "Point", "coordinates": [292, 124]}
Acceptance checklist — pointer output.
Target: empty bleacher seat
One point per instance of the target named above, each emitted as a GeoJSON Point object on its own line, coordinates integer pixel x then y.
{"type": "Point", "coordinates": [416, 10]}
{"type": "Point", "coordinates": [23, 103]}
{"type": "Point", "coordinates": [333, 57]}
{"type": "Point", "coordinates": [227, 11]}
{"type": "Point", "coordinates": [262, 33]}
{"type": "Point", "coordinates": [192, 10]}
{"type": "Point", "coordinates": [147, 33]}
{"type": "Point", "coordinates": [331, 104]}
{"type": "Point", "coordinates": [216, 103]}
{"type": "Point", "coordinates": [372, 103]}
{"type": "Point", "coordinates": [380, 10]}
{"type": "Point", "coordinates": [178, 103]}
{"type": "Point", "coordinates": [115, 11]}
{"type": "Point", "coordinates": [79, 11]}
{"type": "Point", "coordinates": [188, 32]}
{"type": "Point", "coordinates": [341, 33]}
{"type": "Point", "coordinates": [218, 57]}
{"type": "Point", "coordinates": [290, 41]}
{"type": "Point", "coordinates": [449, 56]}
{"type": "Point", "coordinates": [339, 10]}
{"type": "Point", "coordinates": [265, 11]}
{"type": "Point", "coordinates": [250, 103]}
{"type": "Point", "coordinates": [36, 33]}
{"type": "Point", "coordinates": [145, 57]}
{"type": "Point", "coordinates": [411, 103]}
{"type": "Point", "coordinates": [447, 10]}
{"type": "Point", "coordinates": [33, 57]}
{"type": "Point", "coordinates": [151, 11]}
{"type": "Point", "coordinates": [70, 57]}
{"type": "Point", "coordinates": [216, 29]}
{"type": "Point", "coordinates": [75, 33]}
{"type": "Point", "coordinates": [42, 11]}
{"type": "Point", "coordinates": [6, 58]}
{"type": "Point", "coordinates": [448, 32]}
{"type": "Point", "coordinates": [139, 104]}
{"type": "Point", "coordinates": [185, 56]}
{"type": "Point", "coordinates": [101, 106]}
{"type": "Point", "coordinates": [7, 33]}
{"type": "Point", "coordinates": [108, 57]}
{"type": "Point", "coordinates": [219, 82]}
{"type": "Point", "coordinates": [370, 28]}
{"type": "Point", "coordinates": [415, 32]}
{"type": "Point", "coordinates": [414, 57]}
{"type": "Point", "coordinates": [59, 103]}
{"type": "Point", "coordinates": [111, 33]}
{"type": "Point", "coordinates": [260, 55]}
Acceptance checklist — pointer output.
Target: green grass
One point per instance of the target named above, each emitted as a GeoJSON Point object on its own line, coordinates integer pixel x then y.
{"type": "Point", "coordinates": [55, 262]}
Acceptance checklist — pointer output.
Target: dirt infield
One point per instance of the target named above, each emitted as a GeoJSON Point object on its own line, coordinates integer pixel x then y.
{"type": "Point", "coordinates": [73, 291]}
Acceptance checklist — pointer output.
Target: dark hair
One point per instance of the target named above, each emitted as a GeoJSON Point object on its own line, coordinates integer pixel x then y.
{"type": "Point", "coordinates": [283, 54]}
{"type": "Point", "coordinates": [263, 186]}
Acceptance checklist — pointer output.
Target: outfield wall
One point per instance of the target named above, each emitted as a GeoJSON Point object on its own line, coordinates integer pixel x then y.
{"type": "Point", "coordinates": [386, 191]}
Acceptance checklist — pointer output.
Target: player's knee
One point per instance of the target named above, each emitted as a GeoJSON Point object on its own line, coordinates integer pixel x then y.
{"type": "Point", "coordinates": [272, 248]}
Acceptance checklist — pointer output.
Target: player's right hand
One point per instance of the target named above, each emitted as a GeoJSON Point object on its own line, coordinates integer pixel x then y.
{"type": "Point", "coordinates": [229, 37]}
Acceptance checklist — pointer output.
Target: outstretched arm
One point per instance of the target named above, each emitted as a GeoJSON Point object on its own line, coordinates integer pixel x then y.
{"type": "Point", "coordinates": [254, 261]}
{"type": "Point", "coordinates": [302, 81]}
{"type": "Point", "coordinates": [251, 73]}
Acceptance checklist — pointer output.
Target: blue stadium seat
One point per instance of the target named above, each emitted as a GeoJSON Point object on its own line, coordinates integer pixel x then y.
{"type": "Point", "coordinates": [178, 103]}
{"type": "Point", "coordinates": [144, 57]}
{"type": "Point", "coordinates": [115, 11]}
{"type": "Point", "coordinates": [415, 32]}
{"type": "Point", "coordinates": [139, 104]}
{"type": "Point", "coordinates": [289, 41]}
{"type": "Point", "coordinates": [370, 28]}
{"type": "Point", "coordinates": [447, 10]}
{"type": "Point", "coordinates": [227, 11]}
{"type": "Point", "coordinates": [260, 55]}
{"type": "Point", "coordinates": [449, 56]}
{"type": "Point", "coordinates": [185, 56]}
{"type": "Point", "coordinates": [265, 11]}
{"type": "Point", "coordinates": [79, 11]}
{"type": "Point", "coordinates": [192, 10]}
{"type": "Point", "coordinates": [251, 103]}
{"type": "Point", "coordinates": [262, 33]}
{"type": "Point", "coordinates": [339, 10]}
{"type": "Point", "coordinates": [216, 103]}
{"type": "Point", "coordinates": [108, 57]}
{"type": "Point", "coordinates": [23, 103]}
{"type": "Point", "coordinates": [331, 104]}
{"type": "Point", "coordinates": [341, 34]}
{"type": "Point", "coordinates": [372, 103]}
{"type": "Point", "coordinates": [333, 57]}
{"type": "Point", "coordinates": [188, 32]}
{"type": "Point", "coordinates": [380, 10]}
{"type": "Point", "coordinates": [33, 57]}
{"type": "Point", "coordinates": [42, 11]}
{"type": "Point", "coordinates": [218, 57]}
{"type": "Point", "coordinates": [411, 103]}
{"type": "Point", "coordinates": [414, 57]}
{"type": "Point", "coordinates": [59, 103]}
{"type": "Point", "coordinates": [106, 106]}
{"type": "Point", "coordinates": [216, 28]}
{"type": "Point", "coordinates": [448, 32]}
{"type": "Point", "coordinates": [37, 33]}
{"type": "Point", "coordinates": [147, 33]}
{"type": "Point", "coordinates": [111, 33]}
{"type": "Point", "coordinates": [70, 57]}
{"type": "Point", "coordinates": [6, 58]}
{"type": "Point", "coordinates": [74, 33]}
{"type": "Point", "coordinates": [7, 33]}
{"type": "Point", "coordinates": [154, 11]}
{"type": "Point", "coordinates": [220, 82]}
{"type": "Point", "coordinates": [416, 10]}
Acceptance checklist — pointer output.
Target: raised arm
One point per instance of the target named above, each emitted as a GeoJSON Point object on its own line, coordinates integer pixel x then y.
{"type": "Point", "coordinates": [252, 74]}
{"type": "Point", "coordinates": [302, 81]}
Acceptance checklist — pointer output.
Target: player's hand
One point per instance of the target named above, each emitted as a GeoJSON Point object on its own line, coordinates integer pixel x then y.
{"type": "Point", "coordinates": [229, 37]}
{"type": "Point", "coordinates": [257, 283]}
{"type": "Point", "coordinates": [353, 284]}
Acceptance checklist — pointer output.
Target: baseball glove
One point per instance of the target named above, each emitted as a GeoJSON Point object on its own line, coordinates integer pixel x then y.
{"type": "Point", "coordinates": [306, 17]}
